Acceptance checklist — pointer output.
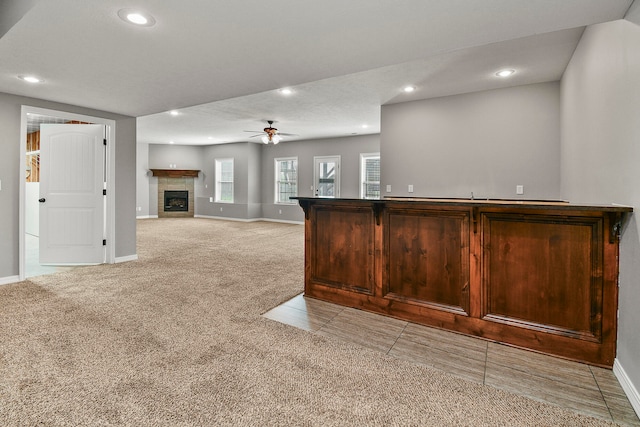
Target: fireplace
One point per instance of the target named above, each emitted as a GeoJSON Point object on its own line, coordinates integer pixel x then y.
{"type": "Point", "coordinates": [176, 196]}
{"type": "Point", "coordinates": [176, 201]}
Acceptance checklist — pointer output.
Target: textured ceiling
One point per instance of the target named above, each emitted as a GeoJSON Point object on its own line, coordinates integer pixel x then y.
{"type": "Point", "coordinates": [225, 60]}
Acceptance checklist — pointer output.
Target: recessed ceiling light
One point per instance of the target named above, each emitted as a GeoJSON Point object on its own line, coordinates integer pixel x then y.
{"type": "Point", "coordinates": [286, 91]}
{"type": "Point", "coordinates": [136, 17]}
{"type": "Point", "coordinates": [31, 79]}
{"type": "Point", "coordinates": [409, 89]}
{"type": "Point", "coordinates": [505, 73]}
{"type": "Point", "coordinates": [174, 112]}
{"type": "Point", "coordinates": [171, 142]}
{"type": "Point", "coordinates": [365, 126]}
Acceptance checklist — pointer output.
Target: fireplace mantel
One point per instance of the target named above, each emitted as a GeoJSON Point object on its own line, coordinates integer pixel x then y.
{"type": "Point", "coordinates": [175, 173]}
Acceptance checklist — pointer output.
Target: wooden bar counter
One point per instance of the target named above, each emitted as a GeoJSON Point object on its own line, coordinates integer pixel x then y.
{"type": "Point", "coordinates": [537, 275]}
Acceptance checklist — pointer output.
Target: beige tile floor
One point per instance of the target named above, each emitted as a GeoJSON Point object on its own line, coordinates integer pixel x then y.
{"type": "Point", "coordinates": [585, 389]}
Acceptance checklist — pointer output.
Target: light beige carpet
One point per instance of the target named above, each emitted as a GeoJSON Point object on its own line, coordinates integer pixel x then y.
{"type": "Point", "coordinates": [176, 339]}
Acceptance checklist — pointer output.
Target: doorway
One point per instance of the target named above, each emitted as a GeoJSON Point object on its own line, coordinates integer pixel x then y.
{"type": "Point", "coordinates": [30, 176]}
{"type": "Point", "coordinates": [326, 176]}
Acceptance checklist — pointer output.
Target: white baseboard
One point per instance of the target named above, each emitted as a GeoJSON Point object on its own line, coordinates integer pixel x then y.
{"type": "Point", "coordinates": [226, 218]}
{"type": "Point", "coordinates": [630, 390]}
{"type": "Point", "coordinates": [9, 279]}
{"type": "Point", "coordinates": [126, 258]}
{"type": "Point", "coordinates": [146, 216]}
{"type": "Point", "coordinates": [284, 221]}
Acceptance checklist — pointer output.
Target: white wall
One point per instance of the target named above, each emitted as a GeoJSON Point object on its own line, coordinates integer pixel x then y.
{"type": "Point", "coordinates": [484, 142]}
{"type": "Point", "coordinates": [601, 154]}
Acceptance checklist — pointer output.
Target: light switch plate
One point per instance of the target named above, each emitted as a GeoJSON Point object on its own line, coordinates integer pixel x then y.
{"type": "Point", "coordinates": [388, 188]}
{"type": "Point", "coordinates": [410, 188]}
{"type": "Point", "coordinates": [519, 189]}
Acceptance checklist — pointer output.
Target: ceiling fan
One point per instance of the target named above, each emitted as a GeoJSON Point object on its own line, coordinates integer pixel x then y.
{"type": "Point", "coordinates": [270, 134]}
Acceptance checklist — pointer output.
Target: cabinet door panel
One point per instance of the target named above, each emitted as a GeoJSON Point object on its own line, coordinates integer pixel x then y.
{"type": "Point", "coordinates": [544, 274]}
{"type": "Point", "coordinates": [428, 258]}
{"type": "Point", "coordinates": [343, 248]}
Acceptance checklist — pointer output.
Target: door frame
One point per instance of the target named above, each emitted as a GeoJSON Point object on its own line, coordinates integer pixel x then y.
{"type": "Point", "coordinates": [316, 160]}
{"type": "Point", "coordinates": [110, 134]}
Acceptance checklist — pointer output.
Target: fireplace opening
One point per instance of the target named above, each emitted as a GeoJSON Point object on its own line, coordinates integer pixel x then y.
{"type": "Point", "coordinates": [176, 201]}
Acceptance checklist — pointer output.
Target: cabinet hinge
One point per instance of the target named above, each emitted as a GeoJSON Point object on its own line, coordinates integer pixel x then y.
{"type": "Point", "coordinates": [104, 192]}
{"type": "Point", "coordinates": [104, 242]}
{"type": "Point", "coordinates": [104, 141]}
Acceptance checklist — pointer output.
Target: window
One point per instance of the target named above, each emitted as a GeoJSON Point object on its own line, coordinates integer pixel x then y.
{"type": "Point", "coordinates": [286, 179]}
{"type": "Point", "coordinates": [224, 180]}
{"type": "Point", "coordinates": [370, 176]}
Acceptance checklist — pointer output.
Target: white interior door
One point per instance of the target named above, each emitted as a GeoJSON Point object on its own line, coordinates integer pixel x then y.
{"type": "Point", "coordinates": [327, 176]}
{"type": "Point", "coordinates": [72, 176]}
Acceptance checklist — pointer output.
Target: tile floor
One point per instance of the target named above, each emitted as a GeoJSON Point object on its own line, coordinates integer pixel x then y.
{"type": "Point", "coordinates": [31, 264]}
{"type": "Point", "coordinates": [585, 389]}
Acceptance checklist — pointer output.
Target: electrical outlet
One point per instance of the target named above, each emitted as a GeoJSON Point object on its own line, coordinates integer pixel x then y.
{"type": "Point", "coordinates": [410, 188]}
{"type": "Point", "coordinates": [139, 208]}
{"type": "Point", "coordinates": [388, 188]}
{"type": "Point", "coordinates": [220, 209]}
{"type": "Point", "coordinates": [519, 189]}
{"type": "Point", "coordinates": [210, 199]}
{"type": "Point", "coordinates": [280, 211]}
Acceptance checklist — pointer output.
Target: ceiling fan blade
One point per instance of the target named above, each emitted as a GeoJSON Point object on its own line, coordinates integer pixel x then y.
{"type": "Point", "coordinates": [254, 131]}
{"type": "Point", "coordinates": [253, 136]}
{"type": "Point", "coordinates": [288, 134]}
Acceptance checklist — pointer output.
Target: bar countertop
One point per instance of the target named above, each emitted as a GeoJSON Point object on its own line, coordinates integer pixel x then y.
{"type": "Point", "coordinates": [515, 203]}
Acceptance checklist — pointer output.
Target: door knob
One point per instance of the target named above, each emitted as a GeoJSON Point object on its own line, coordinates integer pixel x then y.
{"type": "Point", "coordinates": [42, 200]}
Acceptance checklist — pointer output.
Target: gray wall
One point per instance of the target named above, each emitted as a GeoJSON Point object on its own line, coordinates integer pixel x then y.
{"type": "Point", "coordinates": [162, 156]}
{"type": "Point", "coordinates": [254, 173]}
{"type": "Point", "coordinates": [125, 203]}
{"type": "Point", "coordinates": [241, 153]}
{"type": "Point", "coordinates": [125, 165]}
{"type": "Point", "coordinates": [349, 149]}
{"type": "Point", "coordinates": [484, 142]}
{"type": "Point", "coordinates": [142, 180]}
{"type": "Point", "coordinates": [633, 14]}
{"type": "Point", "coordinates": [254, 181]}
{"type": "Point", "coordinates": [601, 152]}
{"type": "Point", "coordinates": [12, 11]}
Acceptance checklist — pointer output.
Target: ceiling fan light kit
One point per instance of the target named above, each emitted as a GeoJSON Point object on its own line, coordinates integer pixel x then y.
{"type": "Point", "coordinates": [271, 134]}
{"type": "Point", "coordinates": [271, 138]}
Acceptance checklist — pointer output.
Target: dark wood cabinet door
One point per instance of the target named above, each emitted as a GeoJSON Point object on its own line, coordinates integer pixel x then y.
{"type": "Point", "coordinates": [343, 247]}
{"type": "Point", "coordinates": [427, 255]}
{"type": "Point", "coordinates": [544, 274]}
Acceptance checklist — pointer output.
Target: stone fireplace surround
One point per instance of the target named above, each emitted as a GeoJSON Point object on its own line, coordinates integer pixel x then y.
{"type": "Point", "coordinates": [175, 180]}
